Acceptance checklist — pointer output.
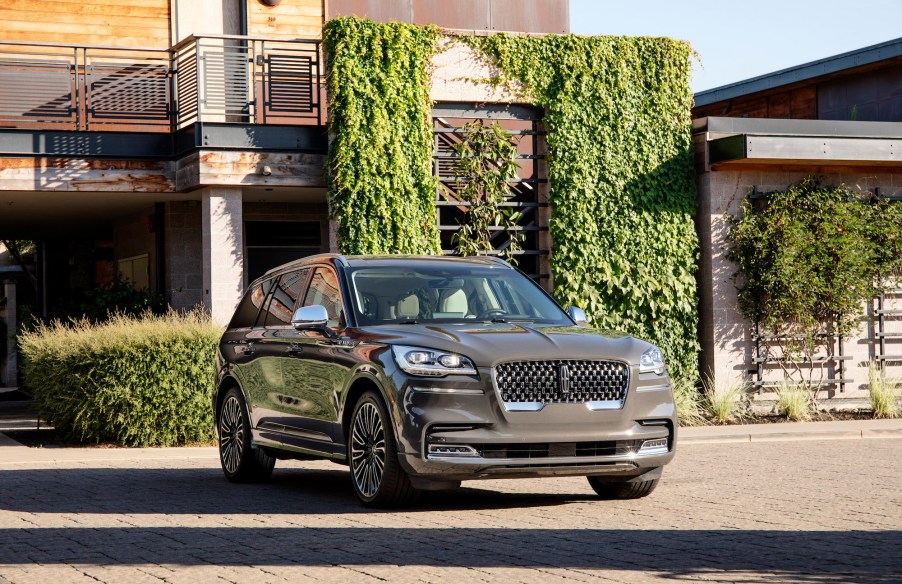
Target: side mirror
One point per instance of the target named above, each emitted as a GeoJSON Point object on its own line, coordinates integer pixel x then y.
{"type": "Point", "coordinates": [577, 315]}
{"type": "Point", "coordinates": [310, 317]}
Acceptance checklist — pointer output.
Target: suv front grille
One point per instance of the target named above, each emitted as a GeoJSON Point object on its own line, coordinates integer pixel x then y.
{"type": "Point", "coordinates": [559, 449]}
{"type": "Point", "coordinates": [562, 381]}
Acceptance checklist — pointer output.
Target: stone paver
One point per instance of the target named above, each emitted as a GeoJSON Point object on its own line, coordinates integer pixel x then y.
{"type": "Point", "coordinates": [813, 512]}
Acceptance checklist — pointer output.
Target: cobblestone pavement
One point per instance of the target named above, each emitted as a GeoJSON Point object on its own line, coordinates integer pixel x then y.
{"type": "Point", "coordinates": [813, 512]}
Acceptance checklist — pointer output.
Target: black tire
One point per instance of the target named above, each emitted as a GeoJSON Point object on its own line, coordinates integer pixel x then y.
{"type": "Point", "coordinates": [376, 475]}
{"type": "Point", "coordinates": [241, 462]}
{"type": "Point", "coordinates": [622, 490]}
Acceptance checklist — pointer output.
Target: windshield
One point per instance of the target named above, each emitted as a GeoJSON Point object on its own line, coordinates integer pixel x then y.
{"type": "Point", "coordinates": [456, 293]}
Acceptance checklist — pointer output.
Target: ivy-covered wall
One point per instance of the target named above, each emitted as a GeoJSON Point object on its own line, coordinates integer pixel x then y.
{"type": "Point", "coordinates": [622, 182]}
{"type": "Point", "coordinates": [622, 178]}
{"type": "Point", "coordinates": [381, 185]}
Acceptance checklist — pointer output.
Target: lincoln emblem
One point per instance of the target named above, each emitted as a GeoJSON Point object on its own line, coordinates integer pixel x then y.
{"type": "Point", "coordinates": [564, 374]}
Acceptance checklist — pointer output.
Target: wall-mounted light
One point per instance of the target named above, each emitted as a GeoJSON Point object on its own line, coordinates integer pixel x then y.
{"type": "Point", "coordinates": [265, 170]}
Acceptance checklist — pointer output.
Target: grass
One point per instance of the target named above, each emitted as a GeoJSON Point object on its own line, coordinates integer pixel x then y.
{"type": "Point", "coordinates": [722, 402]}
{"type": "Point", "coordinates": [688, 402]}
{"type": "Point", "coordinates": [794, 401]}
{"type": "Point", "coordinates": [882, 393]}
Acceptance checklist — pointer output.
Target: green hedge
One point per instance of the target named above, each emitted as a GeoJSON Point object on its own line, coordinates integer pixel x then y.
{"type": "Point", "coordinates": [135, 381]}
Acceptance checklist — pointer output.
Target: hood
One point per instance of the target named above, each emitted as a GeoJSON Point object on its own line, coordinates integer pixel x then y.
{"type": "Point", "coordinates": [490, 343]}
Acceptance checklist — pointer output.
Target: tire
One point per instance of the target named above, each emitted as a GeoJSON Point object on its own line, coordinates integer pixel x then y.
{"type": "Point", "coordinates": [241, 462]}
{"type": "Point", "coordinates": [622, 490]}
{"type": "Point", "coordinates": [376, 475]}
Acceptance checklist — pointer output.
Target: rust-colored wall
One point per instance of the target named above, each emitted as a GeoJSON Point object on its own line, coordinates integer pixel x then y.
{"type": "Point", "coordinates": [121, 23]}
{"type": "Point", "coordinates": [541, 16]}
{"type": "Point", "coordinates": [799, 104]}
{"type": "Point", "coordinates": [291, 19]}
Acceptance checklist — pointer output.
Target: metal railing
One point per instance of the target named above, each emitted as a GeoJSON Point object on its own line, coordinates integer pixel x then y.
{"type": "Point", "coordinates": [231, 79]}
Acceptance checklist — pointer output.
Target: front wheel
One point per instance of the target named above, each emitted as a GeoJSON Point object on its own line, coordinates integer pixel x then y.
{"type": "Point", "coordinates": [241, 462]}
{"type": "Point", "coordinates": [377, 476]}
{"type": "Point", "coordinates": [622, 490]}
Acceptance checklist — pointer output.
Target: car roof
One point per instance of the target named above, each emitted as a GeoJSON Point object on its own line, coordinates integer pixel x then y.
{"type": "Point", "coordinates": [387, 260]}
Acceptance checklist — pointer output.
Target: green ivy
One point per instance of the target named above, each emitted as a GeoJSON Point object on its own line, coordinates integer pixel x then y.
{"type": "Point", "coordinates": [622, 178]}
{"type": "Point", "coordinates": [381, 185]}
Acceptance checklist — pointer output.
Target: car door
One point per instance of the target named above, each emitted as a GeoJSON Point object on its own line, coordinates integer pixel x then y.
{"type": "Point", "coordinates": [310, 374]}
{"type": "Point", "coordinates": [272, 347]}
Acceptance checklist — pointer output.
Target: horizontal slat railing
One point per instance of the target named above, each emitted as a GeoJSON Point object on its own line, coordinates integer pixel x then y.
{"type": "Point", "coordinates": [228, 79]}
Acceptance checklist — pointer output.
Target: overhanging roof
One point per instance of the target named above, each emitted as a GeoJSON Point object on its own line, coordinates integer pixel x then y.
{"type": "Point", "coordinates": [761, 141]}
{"type": "Point", "coordinates": [827, 66]}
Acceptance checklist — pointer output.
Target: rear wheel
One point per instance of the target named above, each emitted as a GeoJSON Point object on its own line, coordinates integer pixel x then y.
{"type": "Point", "coordinates": [622, 490]}
{"type": "Point", "coordinates": [376, 474]}
{"type": "Point", "coordinates": [241, 462]}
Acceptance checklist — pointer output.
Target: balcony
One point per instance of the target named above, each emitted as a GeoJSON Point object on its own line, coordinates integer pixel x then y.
{"type": "Point", "coordinates": [241, 91]}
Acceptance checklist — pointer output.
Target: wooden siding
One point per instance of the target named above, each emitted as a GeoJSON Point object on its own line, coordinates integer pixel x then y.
{"type": "Point", "coordinates": [120, 23]}
{"type": "Point", "coordinates": [292, 19]}
{"type": "Point", "coordinates": [798, 104]}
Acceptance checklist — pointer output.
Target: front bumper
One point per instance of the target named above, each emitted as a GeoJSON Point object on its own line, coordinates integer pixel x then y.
{"type": "Point", "coordinates": [484, 439]}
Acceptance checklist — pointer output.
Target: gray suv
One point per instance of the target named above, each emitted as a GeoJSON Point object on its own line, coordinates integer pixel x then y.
{"type": "Point", "coordinates": [421, 372]}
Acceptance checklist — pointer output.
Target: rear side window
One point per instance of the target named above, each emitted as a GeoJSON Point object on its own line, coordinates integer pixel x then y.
{"type": "Point", "coordinates": [324, 291]}
{"type": "Point", "coordinates": [249, 307]}
{"type": "Point", "coordinates": [285, 297]}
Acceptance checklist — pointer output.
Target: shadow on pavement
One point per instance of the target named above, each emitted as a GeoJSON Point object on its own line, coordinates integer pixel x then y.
{"type": "Point", "coordinates": [732, 555]}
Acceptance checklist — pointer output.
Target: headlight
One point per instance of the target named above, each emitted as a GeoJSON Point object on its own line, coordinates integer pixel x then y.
{"type": "Point", "coordinates": [430, 362]}
{"type": "Point", "coordinates": [652, 361]}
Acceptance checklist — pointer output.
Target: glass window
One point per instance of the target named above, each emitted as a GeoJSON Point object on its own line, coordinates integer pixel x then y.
{"type": "Point", "coordinates": [430, 293]}
{"type": "Point", "coordinates": [285, 297]}
{"type": "Point", "coordinates": [324, 290]}
{"type": "Point", "coordinates": [249, 307]}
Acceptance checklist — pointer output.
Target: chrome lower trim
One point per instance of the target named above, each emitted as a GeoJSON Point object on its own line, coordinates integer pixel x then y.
{"type": "Point", "coordinates": [661, 387]}
{"type": "Point", "coordinates": [446, 390]}
{"type": "Point", "coordinates": [523, 406]}
{"type": "Point", "coordinates": [605, 405]}
{"type": "Point", "coordinates": [546, 461]}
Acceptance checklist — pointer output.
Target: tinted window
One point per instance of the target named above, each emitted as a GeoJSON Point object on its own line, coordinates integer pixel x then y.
{"type": "Point", "coordinates": [285, 297]}
{"type": "Point", "coordinates": [324, 290]}
{"type": "Point", "coordinates": [249, 307]}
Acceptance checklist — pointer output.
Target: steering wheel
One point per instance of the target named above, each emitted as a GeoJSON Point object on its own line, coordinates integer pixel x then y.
{"type": "Point", "coordinates": [486, 314]}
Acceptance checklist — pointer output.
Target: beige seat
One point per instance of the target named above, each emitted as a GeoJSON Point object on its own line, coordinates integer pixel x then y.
{"type": "Point", "coordinates": [408, 306]}
{"type": "Point", "coordinates": [456, 302]}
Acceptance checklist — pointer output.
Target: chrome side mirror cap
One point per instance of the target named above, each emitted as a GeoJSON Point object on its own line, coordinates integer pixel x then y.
{"type": "Point", "coordinates": [310, 317]}
{"type": "Point", "coordinates": [577, 315]}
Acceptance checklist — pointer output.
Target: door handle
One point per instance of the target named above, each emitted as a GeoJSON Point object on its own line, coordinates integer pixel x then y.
{"type": "Point", "coordinates": [247, 349]}
{"type": "Point", "coordinates": [295, 349]}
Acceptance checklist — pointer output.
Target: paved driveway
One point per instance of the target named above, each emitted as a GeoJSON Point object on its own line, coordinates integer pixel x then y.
{"type": "Point", "coordinates": [811, 512]}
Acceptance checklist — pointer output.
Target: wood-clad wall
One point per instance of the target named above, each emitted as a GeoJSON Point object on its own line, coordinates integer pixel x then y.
{"type": "Point", "coordinates": [121, 23]}
{"type": "Point", "coordinates": [799, 104]}
{"type": "Point", "coordinates": [291, 19]}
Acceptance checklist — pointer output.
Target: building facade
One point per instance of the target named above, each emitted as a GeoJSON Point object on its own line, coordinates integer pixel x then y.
{"type": "Point", "coordinates": [838, 119]}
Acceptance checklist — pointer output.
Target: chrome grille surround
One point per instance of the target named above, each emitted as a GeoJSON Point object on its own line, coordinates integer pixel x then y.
{"type": "Point", "coordinates": [529, 385]}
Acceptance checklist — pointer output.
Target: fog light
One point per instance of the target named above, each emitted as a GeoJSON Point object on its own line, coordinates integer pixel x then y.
{"type": "Point", "coordinates": [451, 450]}
{"type": "Point", "coordinates": [656, 446]}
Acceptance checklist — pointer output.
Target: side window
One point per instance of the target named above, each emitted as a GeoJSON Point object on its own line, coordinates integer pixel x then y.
{"type": "Point", "coordinates": [261, 295]}
{"type": "Point", "coordinates": [249, 307]}
{"type": "Point", "coordinates": [324, 290]}
{"type": "Point", "coordinates": [284, 298]}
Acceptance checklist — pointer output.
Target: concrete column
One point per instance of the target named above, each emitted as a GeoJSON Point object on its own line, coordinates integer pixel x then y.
{"type": "Point", "coordinates": [11, 324]}
{"type": "Point", "coordinates": [223, 251]}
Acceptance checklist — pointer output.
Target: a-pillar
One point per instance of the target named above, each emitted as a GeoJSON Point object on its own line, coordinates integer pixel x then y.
{"type": "Point", "coordinates": [223, 251]}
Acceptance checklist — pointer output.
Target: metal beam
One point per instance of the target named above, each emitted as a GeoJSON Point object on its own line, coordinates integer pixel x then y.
{"type": "Point", "coordinates": [822, 150]}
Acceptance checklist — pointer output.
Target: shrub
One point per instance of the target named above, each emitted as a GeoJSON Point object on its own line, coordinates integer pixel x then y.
{"type": "Point", "coordinates": [882, 393]}
{"type": "Point", "coordinates": [794, 401]}
{"type": "Point", "coordinates": [136, 381]}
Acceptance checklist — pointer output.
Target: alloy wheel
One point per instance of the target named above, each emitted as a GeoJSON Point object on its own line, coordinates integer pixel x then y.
{"type": "Point", "coordinates": [368, 450]}
{"type": "Point", "coordinates": [231, 434]}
